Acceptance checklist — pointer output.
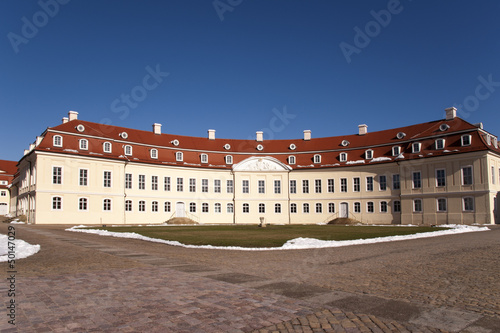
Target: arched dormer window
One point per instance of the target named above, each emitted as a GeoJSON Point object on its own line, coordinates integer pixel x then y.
{"type": "Point", "coordinates": [416, 147]}
{"type": "Point", "coordinates": [343, 157]}
{"type": "Point", "coordinates": [291, 159]}
{"type": "Point", "coordinates": [154, 153]}
{"type": "Point", "coordinates": [179, 156]}
{"type": "Point", "coordinates": [396, 150]}
{"type": "Point", "coordinates": [106, 147]}
{"type": "Point", "coordinates": [204, 158]}
{"type": "Point", "coordinates": [317, 158]}
{"type": "Point", "coordinates": [84, 144]}
{"type": "Point", "coordinates": [57, 141]}
{"type": "Point", "coordinates": [128, 150]}
{"type": "Point", "coordinates": [369, 154]}
{"type": "Point", "coordinates": [229, 159]}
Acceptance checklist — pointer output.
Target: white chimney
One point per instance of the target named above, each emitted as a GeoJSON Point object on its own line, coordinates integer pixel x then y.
{"type": "Point", "coordinates": [451, 113]}
{"type": "Point", "coordinates": [307, 135]}
{"type": "Point", "coordinates": [211, 134]}
{"type": "Point", "coordinates": [72, 115]}
{"type": "Point", "coordinates": [157, 128]}
{"type": "Point", "coordinates": [65, 120]}
{"type": "Point", "coordinates": [32, 146]}
{"type": "Point", "coordinates": [362, 129]}
{"type": "Point", "coordinates": [259, 136]}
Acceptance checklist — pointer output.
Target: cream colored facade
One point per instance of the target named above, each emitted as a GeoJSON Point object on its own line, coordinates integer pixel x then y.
{"type": "Point", "coordinates": [62, 188]}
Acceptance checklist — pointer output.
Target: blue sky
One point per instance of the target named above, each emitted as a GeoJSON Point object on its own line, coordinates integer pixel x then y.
{"type": "Point", "coordinates": [239, 66]}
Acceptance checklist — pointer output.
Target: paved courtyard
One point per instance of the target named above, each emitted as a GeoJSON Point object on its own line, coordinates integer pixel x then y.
{"type": "Point", "coordinates": [88, 283]}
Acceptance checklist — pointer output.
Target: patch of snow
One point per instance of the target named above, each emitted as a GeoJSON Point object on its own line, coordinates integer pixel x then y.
{"type": "Point", "coordinates": [400, 156]}
{"type": "Point", "coordinates": [22, 249]}
{"type": "Point", "coordinates": [71, 150]}
{"type": "Point", "coordinates": [293, 244]}
{"type": "Point", "coordinates": [446, 151]}
{"type": "Point", "coordinates": [193, 164]}
{"type": "Point", "coordinates": [355, 162]}
{"type": "Point", "coordinates": [92, 153]}
{"type": "Point", "coordinates": [430, 153]}
{"type": "Point", "coordinates": [380, 159]}
{"type": "Point", "coordinates": [330, 165]}
{"type": "Point", "coordinates": [305, 166]}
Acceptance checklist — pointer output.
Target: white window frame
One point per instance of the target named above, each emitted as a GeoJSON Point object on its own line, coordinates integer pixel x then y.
{"type": "Point", "coordinates": [356, 184]}
{"type": "Point", "coordinates": [473, 204]}
{"type": "Point", "coordinates": [230, 208]}
{"type": "Point", "coordinates": [204, 158]}
{"type": "Point", "coordinates": [466, 137]}
{"type": "Point", "coordinates": [217, 208]}
{"type": "Point", "coordinates": [142, 206]}
{"type": "Point", "coordinates": [291, 159]}
{"type": "Point", "coordinates": [317, 158]}
{"type": "Point", "coordinates": [331, 208]}
{"type": "Point", "coordinates": [416, 147]}
{"type": "Point", "coordinates": [60, 203]}
{"type": "Point", "coordinates": [382, 185]}
{"type": "Point", "coordinates": [357, 207]}
{"type": "Point", "coordinates": [331, 185]}
{"type": "Point", "coordinates": [179, 156]}
{"type": "Point", "coordinates": [305, 208]}
{"type": "Point", "coordinates": [396, 150]}
{"type": "Point", "coordinates": [154, 206]}
{"type": "Point", "coordinates": [57, 141]}
{"type": "Point", "coordinates": [396, 203]}
{"type": "Point", "coordinates": [229, 159]}
{"type": "Point", "coordinates": [261, 186]}
{"type": "Point", "coordinates": [471, 175]}
{"type": "Point", "coordinates": [369, 183]}
{"type": "Point", "coordinates": [369, 154]}
{"type": "Point", "coordinates": [60, 176]}
{"type": "Point", "coordinates": [440, 144]}
{"type": "Point", "coordinates": [415, 205]}
{"type": "Point", "coordinates": [153, 153]}
{"type": "Point", "coordinates": [413, 183]}
{"type": "Point", "coordinates": [128, 150]}
{"type": "Point", "coordinates": [107, 144]}
{"type": "Point", "coordinates": [277, 186]}
{"type": "Point", "coordinates": [205, 208]}
{"type": "Point", "coordinates": [110, 205]}
{"type": "Point", "coordinates": [293, 208]}
{"type": "Point", "coordinates": [318, 208]}
{"type": "Point", "coordinates": [86, 178]}
{"type": "Point", "coordinates": [262, 208]}
{"type": "Point", "coordinates": [245, 208]}
{"type": "Point", "coordinates": [384, 207]}
{"type": "Point", "coordinates": [370, 206]}
{"type": "Point", "coordinates": [204, 185]}
{"type": "Point", "coordinates": [437, 178]}
{"type": "Point", "coordinates": [343, 157]}
{"type": "Point", "coordinates": [277, 208]}
{"type": "Point", "coordinates": [293, 186]}
{"type": "Point", "coordinates": [105, 181]}
{"type": "Point", "coordinates": [83, 144]}
{"type": "Point", "coordinates": [129, 205]}
{"type": "Point", "coordinates": [445, 203]}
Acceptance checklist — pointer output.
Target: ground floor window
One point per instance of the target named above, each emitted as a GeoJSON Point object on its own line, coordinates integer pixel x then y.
{"type": "Point", "coordinates": [319, 208]}
{"type": "Point", "coordinates": [192, 207]}
{"type": "Point", "coordinates": [417, 205]}
{"type": "Point", "coordinates": [167, 206]}
{"type": "Point", "coordinates": [357, 207]}
{"type": "Point", "coordinates": [369, 207]}
{"type": "Point", "coordinates": [468, 204]}
{"type": "Point", "coordinates": [246, 208]}
{"type": "Point", "coordinates": [217, 208]}
{"type": "Point", "coordinates": [305, 208]}
{"type": "Point", "coordinates": [277, 208]}
{"type": "Point", "coordinates": [128, 205]}
{"type": "Point", "coordinates": [331, 208]}
{"type": "Point", "coordinates": [293, 208]}
{"type": "Point", "coordinates": [106, 205]}
{"type": "Point", "coordinates": [83, 204]}
{"type": "Point", "coordinates": [142, 206]}
{"type": "Point", "coordinates": [204, 207]}
{"type": "Point", "coordinates": [397, 206]}
{"type": "Point", "coordinates": [154, 206]}
{"type": "Point", "coordinates": [262, 208]}
{"type": "Point", "coordinates": [230, 208]}
{"type": "Point", "coordinates": [56, 203]}
{"type": "Point", "coordinates": [441, 205]}
{"type": "Point", "coordinates": [383, 206]}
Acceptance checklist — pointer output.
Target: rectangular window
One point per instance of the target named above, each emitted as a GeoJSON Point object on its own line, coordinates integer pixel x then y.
{"type": "Point", "coordinates": [166, 183]}
{"type": "Point", "coordinates": [84, 173]}
{"type": "Point", "coordinates": [57, 175]}
{"type": "Point", "coordinates": [246, 208]}
{"type": "Point", "coordinates": [293, 186]}
{"type": "Point", "coordinates": [343, 184]}
{"type": "Point", "coordinates": [82, 204]}
{"type": "Point", "coordinates": [331, 207]}
{"type": "Point", "coordinates": [357, 207]}
{"type": "Point", "coordinates": [395, 182]}
{"type": "Point", "coordinates": [262, 186]}
{"type": "Point", "coordinates": [417, 179]}
{"type": "Point", "coordinates": [245, 186]}
{"type": "Point", "coordinates": [382, 182]}
{"type": "Point", "coordinates": [180, 184]}
{"type": "Point", "coordinates": [142, 182]}
{"type": "Point", "coordinates": [439, 144]}
{"type": "Point", "coordinates": [416, 147]}
{"type": "Point", "coordinates": [107, 179]}
{"type": "Point", "coordinates": [441, 205]}
{"type": "Point", "coordinates": [217, 188]}
{"type": "Point", "coordinates": [204, 185]}
{"type": "Point", "coordinates": [356, 184]}
{"type": "Point", "coordinates": [493, 175]}
{"type": "Point", "coordinates": [331, 186]}
{"type": "Point", "coordinates": [192, 185]}
{"type": "Point", "coordinates": [383, 206]}
{"type": "Point", "coordinates": [417, 205]}
{"type": "Point", "coordinates": [277, 186]}
{"type": "Point", "coordinates": [293, 208]}
{"type": "Point", "coordinates": [3, 193]}
{"type": "Point", "coordinates": [467, 175]}
{"type": "Point", "coordinates": [229, 186]}
{"type": "Point", "coordinates": [468, 203]}
{"type": "Point", "coordinates": [440, 177]}
{"type": "Point", "coordinates": [466, 140]}
{"type": "Point", "coordinates": [369, 183]}
{"type": "Point", "coordinates": [154, 183]}
{"type": "Point", "coordinates": [128, 205]}
{"type": "Point", "coordinates": [319, 208]}
{"type": "Point", "coordinates": [277, 208]}
{"type": "Point", "coordinates": [142, 206]}
{"type": "Point", "coordinates": [396, 206]}
{"type": "Point", "coordinates": [128, 180]}
{"type": "Point", "coordinates": [192, 207]}
{"type": "Point", "coordinates": [167, 206]}
{"type": "Point", "coordinates": [369, 207]}
{"type": "Point", "coordinates": [154, 206]}
{"type": "Point", "coordinates": [305, 208]}
{"type": "Point", "coordinates": [317, 186]}
{"type": "Point", "coordinates": [305, 186]}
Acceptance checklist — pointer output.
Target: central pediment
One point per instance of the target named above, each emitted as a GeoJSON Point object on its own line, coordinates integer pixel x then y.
{"type": "Point", "coordinates": [261, 163]}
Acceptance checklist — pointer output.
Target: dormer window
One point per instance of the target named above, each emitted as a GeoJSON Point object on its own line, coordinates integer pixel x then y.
{"type": "Point", "coordinates": [488, 140]}
{"type": "Point", "coordinates": [57, 141]}
{"type": "Point", "coordinates": [128, 150]}
{"type": "Point", "coordinates": [343, 157]}
{"type": "Point", "coordinates": [495, 142]}
{"type": "Point", "coordinates": [396, 150]}
{"type": "Point", "coordinates": [291, 159]}
{"type": "Point", "coordinates": [229, 159]}
{"type": "Point", "coordinates": [317, 158]}
{"type": "Point", "coordinates": [416, 147]}
{"type": "Point", "coordinates": [466, 140]}
{"type": "Point", "coordinates": [154, 153]}
{"type": "Point", "coordinates": [106, 147]}
{"type": "Point", "coordinates": [178, 156]}
{"type": "Point", "coordinates": [369, 154]}
{"type": "Point", "coordinates": [84, 144]}
{"type": "Point", "coordinates": [439, 144]}
{"type": "Point", "coordinates": [204, 158]}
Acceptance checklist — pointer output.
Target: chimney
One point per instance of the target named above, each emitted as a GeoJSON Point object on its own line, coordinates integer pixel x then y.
{"type": "Point", "coordinates": [32, 146]}
{"type": "Point", "coordinates": [451, 113]}
{"type": "Point", "coordinates": [259, 136]}
{"type": "Point", "coordinates": [157, 128]}
{"type": "Point", "coordinates": [211, 134]}
{"type": "Point", "coordinates": [362, 129]}
{"type": "Point", "coordinates": [38, 140]}
{"type": "Point", "coordinates": [72, 115]}
{"type": "Point", "coordinates": [307, 135]}
{"type": "Point", "coordinates": [65, 120]}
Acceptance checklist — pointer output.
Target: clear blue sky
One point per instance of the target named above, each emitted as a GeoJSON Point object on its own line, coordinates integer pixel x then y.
{"type": "Point", "coordinates": [233, 65]}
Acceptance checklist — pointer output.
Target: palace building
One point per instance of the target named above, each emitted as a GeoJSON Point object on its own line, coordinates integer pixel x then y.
{"type": "Point", "coordinates": [8, 170]}
{"type": "Point", "coordinates": [440, 172]}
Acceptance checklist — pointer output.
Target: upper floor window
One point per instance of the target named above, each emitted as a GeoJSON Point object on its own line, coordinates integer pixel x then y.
{"type": "Point", "coordinates": [369, 154]}
{"type": "Point", "coordinates": [331, 185]}
{"type": "Point", "coordinates": [343, 184]}
{"type": "Point", "coordinates": [467, 175]}
{"type": "Point", "coordinates": [154, 153]}
{"type": "Point", "coordinates": [204, 185]}
{"type": "Point", "coordinates": [106, 147]}
{"type": "Point", "coordinates": [440, 177]}
{"type": "Point", "coordinates": [395, 182]}
{"type": "Point", "coordinates": [439, 143]}
{"type": "Point", "coordinates": [229, 186]}
{"type": "Point", "coordinates": [277, 186]}
{"type": "Point", "coordinates": [217, 186]}
{"type": "Point", "coordinates": [262, 188]}
{"type": "Point", "coordinates": [128, 150]}
{"type": "Point", "coordinates": [369, 183]}
{"type": "Point", "coordinates": [291, 159]}
{"type": "Point", "coordinates": [179, 156]}
{"type": "Point", "coordinates": [204, 158]}
{"type": "Point", "coordinates": [466, 140]}
{"type": "Point", "coordinates": [305, 186]}
{"type": "Point", "coordinates": [57, 175]}
{"type": "Point", "coordinates": [84, 144]}
{"type": "Point", "coordinates": [57, 141]}
{"type": "Point", "coordinates": [417, 179]}
{"type": "Point", "coordinates": [396, 151]}
{"type": "Point", "coordinates": [293, 186]}
{"type": "Point", "coordinates": [317, 158]}
{"type": "Point", "coordinates": [356, 183]}
{"type": "Point", "coordinates": [107, 179]}
{"type": "Point", "coordinates": [382, 182]}
{"type": "Point", "coordinates": [416, 147]}
{"type": "Point", "coordinates": [245, 186]}
{"type": "Point", "coordinates": [229, 159]}
{"type": "Point", "coordinates": [343, 157]}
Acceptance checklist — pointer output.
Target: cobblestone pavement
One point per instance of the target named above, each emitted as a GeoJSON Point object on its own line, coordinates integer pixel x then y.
{"type": "Point", "coordinates": [88, 283]}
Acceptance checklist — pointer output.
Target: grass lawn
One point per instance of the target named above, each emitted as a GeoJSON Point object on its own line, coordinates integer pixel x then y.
{"type": "Point", "coordinates": [271, 236]}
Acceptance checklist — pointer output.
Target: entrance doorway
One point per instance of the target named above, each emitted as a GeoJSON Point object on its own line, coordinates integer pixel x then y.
{"type": "Point", "coordinates": [344, 209]}
{"type": "Point", "coordinates": [180, 210]}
